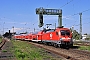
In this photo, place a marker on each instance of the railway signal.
(40, 20)
(42, 11)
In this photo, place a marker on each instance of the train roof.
(61, 28)
(48, 30)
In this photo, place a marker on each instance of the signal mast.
(42, 11)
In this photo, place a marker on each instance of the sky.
(21, 14)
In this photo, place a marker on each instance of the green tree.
(75, 34)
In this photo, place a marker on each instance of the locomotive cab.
(64, 36)
(57, 37)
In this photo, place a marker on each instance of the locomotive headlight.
(60, 38)
(69, 38)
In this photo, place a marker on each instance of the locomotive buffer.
(42, 11)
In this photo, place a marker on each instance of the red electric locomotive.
(57, 37)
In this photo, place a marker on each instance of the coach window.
(56, 33)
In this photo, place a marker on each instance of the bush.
(87, 38)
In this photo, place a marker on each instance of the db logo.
(50, 36)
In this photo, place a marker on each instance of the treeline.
(8, 35)
(77, 35)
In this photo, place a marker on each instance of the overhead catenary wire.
(83, 24)
(78, 13)
(49, 3)
(75, 13)
(78, 24)
(62, 5)
(66, 3)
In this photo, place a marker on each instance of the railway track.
(2, 43)
(5, 53)
(84, 53)
(71, 54)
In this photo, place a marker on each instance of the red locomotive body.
(58, 37)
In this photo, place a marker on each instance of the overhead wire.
(79, 24)
(82, 12)
(48, 3)
(73, 6)
(78, 13)
(83, 24)
(66, 3)
(62, 5)
(74, 13)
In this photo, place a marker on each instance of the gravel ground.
(5, 53)
(77, 54)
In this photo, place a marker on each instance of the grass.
(0, 39)
(4, 50)
(25, 51)
(85, 48)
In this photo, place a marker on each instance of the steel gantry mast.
(42, 11)
(80, 25)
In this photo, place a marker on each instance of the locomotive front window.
(56, 33)
(65, 32)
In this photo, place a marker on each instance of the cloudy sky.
(21, 14)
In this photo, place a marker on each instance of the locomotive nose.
(66, 39)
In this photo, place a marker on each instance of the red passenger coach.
(22, 36)
(37, 36)
(28, 37)
(16, 36)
